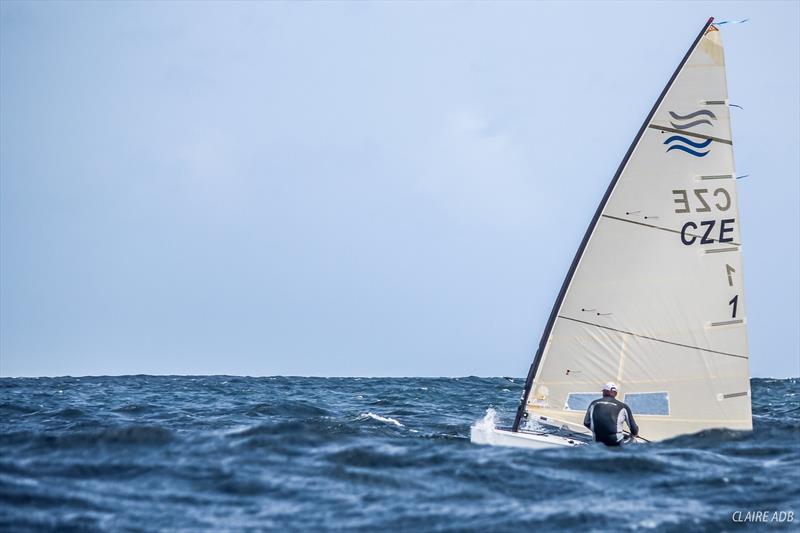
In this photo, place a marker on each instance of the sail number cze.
(705, 201)
(701, 202)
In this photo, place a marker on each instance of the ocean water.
(222, 453)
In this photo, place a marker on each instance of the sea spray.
(482, 431)
(488, 422)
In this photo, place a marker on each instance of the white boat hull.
(500, 437)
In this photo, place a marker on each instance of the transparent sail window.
(648, 403)
(579, 401)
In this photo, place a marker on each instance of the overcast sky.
(349, 188)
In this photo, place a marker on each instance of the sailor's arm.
(631, 422)
(587, 420)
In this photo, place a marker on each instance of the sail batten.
(689, 133)
(653, 298)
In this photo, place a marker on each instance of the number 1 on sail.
(733, 302)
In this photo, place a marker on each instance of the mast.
(579, 254)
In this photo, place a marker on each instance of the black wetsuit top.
(605, 418)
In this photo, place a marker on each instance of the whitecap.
(379, 418)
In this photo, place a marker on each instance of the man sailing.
(606, 416)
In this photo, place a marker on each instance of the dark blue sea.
(223, 453)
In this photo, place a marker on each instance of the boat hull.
(520, 439)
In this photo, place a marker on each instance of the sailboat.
(653, 299)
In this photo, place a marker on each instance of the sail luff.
(591, 228)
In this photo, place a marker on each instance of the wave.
(702, 112)
(379, 418)
(691, 124)
(299, 409)
(683, 139)
(687, 150)
(144, 435)
(69, 412)
(690, 116)
(134, 408)
(17, 408)
(296, 454)
(695, 144)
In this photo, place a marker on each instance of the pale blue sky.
(349, 188)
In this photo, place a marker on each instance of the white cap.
(610, 386)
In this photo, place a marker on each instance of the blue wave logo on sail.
(684, 122)
(693, 119)
(689, 146)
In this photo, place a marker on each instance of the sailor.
(606, 416)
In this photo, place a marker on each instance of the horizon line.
(297, 376)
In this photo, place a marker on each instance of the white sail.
(654, 299)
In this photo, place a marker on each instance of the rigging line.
(663, 229)
(690, 133)
(653, 338)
